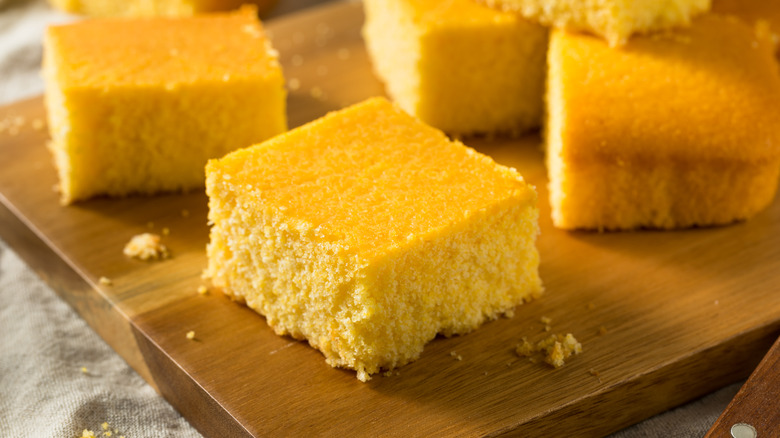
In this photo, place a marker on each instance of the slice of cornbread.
(615, 20)
(458, 66)
(762, 13)
(673, 130)
(140, 105)
(367, 233)
(149, 8)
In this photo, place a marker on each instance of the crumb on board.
(602, 330)
(456, 355)
(105, 281)
(191, 335)
(555, 349)
(146, 246)
(203, 290)
(166, 231)
(316, 92)
(595, 374)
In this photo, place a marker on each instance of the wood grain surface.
(664, 317)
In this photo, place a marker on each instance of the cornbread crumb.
(87, 434)
(602, 330)
(456, 355)
(166, 231)
(104, 425)
(595, 374)
(84, 370)
(545, 320)
(316, 92)
(105, 281)
(294, 84)
(37, 124)
(203, 290)
(191, 335)
(555, 348)
(525, 348)
(146, 246)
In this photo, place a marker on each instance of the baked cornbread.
(367, 232)
(140, 105)
(458, 66)
(754, 12)
(149, 8)
(614, 20)
(673, 130)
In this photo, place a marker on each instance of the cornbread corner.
(147, 8)
(381, 235)
(674, 130)
(614, 20)
(140, 105)
(458, 66)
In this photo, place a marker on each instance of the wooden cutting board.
(664, 317)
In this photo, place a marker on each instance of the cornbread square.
(150, 8)
(140, 105)
(674, 130)
(614, 20)
(458, 66)
(367, 232)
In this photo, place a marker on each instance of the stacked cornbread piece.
(140, 105)
(368, 233)
(614, 20)
(675, 126)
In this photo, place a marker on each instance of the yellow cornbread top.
(161, 51)
(370, 177)
(453, 13)
(717, 72)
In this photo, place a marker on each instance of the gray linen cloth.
(44, 344)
